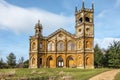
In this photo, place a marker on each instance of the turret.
(93, 6)
(38, 29)
(83, 5)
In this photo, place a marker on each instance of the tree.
(98, 56)
(1, 63)
(114, 54)
(105, 59)
(20, 62)
(11, 60)
(26, 64)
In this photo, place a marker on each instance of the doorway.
(70, 62)
(60, 62)
(50, 62)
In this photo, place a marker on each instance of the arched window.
(87, 29)
(71, 45)
(51, 46)
(88, 61)
(60, 46)
(33, 61)
(41, 45)
(87, 19)
(60, 35)
(80, 44)
(80, 20)
(79, 61)
(33, 46)
(79, 30)
(87, 44)
(40, 61)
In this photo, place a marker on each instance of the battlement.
(84, 9)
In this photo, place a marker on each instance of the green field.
(117, 77)
(47, 73)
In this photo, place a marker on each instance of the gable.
(60, 33)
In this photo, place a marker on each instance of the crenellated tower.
(84, 21)
(85, 32)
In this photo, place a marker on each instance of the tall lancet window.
(60, 46)
(71, 45)
(41, 45)
(51, 46)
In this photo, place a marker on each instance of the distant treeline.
(109, 58)
(11, 62)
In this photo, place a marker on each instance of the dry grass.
(117, 77)
(49, 74)
(6, 74)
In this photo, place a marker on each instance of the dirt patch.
(109, 75)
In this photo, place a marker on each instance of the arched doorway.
(60, 62)
(50, 62)
(70, 62)
(40, 62)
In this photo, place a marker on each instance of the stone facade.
(63, 49)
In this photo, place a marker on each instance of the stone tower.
(36, 46)
(85, 32)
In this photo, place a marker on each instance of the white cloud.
(103, 13)
(105, 42)
(20, 19)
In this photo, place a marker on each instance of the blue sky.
(18, 18)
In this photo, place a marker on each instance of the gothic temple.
(61, 49)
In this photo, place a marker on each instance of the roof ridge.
(60, 29)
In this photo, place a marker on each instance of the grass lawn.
(46, 73)
(117, 77)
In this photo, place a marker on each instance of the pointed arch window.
(33, 45)
(41, 45)
(88, 62)
(87, 44)
(40, 61)
(71, 45)
(60, 46)
(33, 61)
(87, 19)
(51, 46)
(80, 20)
